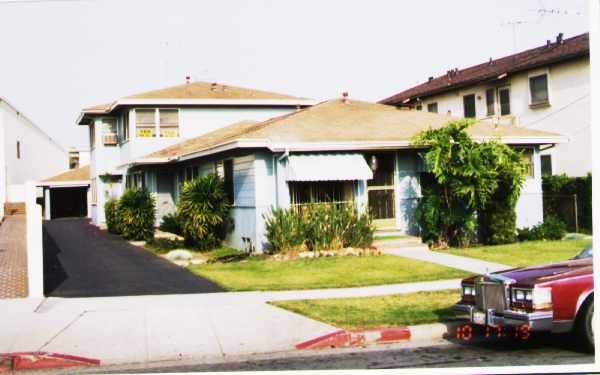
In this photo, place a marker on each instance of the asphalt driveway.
(82, 261)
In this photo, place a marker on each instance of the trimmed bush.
(318, 227)
(136, 212)
(551, 229)
(203, 211)
(171, 223)
(111, 213)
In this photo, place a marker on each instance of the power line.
(14, 2)
(555, 112)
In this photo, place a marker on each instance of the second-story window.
(432, 107)
(169, 123)
(73, 159)
(504, 95)
(109, 131)
(538, 88)
(469, 106)
(145, 123)
(490, 101)
(125, 125)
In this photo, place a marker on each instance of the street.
(540, 350)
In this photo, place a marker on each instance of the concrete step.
(399, 243)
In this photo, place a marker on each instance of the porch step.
(14, 208)
(400, 243)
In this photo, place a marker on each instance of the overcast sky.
(61, 56)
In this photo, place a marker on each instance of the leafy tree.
(467, 177)
(203, 212)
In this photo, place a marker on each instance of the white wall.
(568, 113)
(40, 156)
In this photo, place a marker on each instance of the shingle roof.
(339, 121)
(571, 48)
(199, 90)
(78, 174)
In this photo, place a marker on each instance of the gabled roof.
(550, 53)
(200, 93)
(339, 125)
(78, 175)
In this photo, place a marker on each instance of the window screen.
(539, 89)
(504, 95)
(169, 122)
(145, 123)
(490, 101)
(469, 105)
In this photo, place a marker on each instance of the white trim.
(62, 184)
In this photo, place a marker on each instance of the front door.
(381, 189)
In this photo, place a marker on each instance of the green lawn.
(372, 312)
(524, 253)
(335, 272)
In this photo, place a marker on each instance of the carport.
(67, 194)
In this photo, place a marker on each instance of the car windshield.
(586, 253)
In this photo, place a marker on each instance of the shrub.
(136, 212)
(498, 226)
(558, 191)
(203, 210)
(551, 229)
(318, 227)
(111, 213)
(171, 223)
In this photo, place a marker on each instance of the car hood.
(549, 272)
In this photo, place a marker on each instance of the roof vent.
(429, 79)
(559, 38)
(187, 79)
(345, 97)
(213, 86)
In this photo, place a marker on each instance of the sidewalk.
(119, 330)
(13, 257)
(454, 261)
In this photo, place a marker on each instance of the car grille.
(490, 295)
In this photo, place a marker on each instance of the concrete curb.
(20, 361)
(362, 338)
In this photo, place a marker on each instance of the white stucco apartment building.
(128, 128)
(544, 88)
(26, 154)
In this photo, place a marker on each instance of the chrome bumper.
(537, 321)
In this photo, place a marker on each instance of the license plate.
(479, 317)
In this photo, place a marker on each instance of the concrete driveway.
(82, 261)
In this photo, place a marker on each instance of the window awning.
(328, 167)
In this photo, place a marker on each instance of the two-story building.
(130, 127)
(27, 153)
(544, 88)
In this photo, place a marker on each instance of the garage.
(66, 195)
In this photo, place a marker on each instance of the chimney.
(213, 86)
(559, 38)
(429, 79)
(548, 42)
(345, 97)
(490, 62)
(187, 79)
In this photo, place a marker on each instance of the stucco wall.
(568, 113)
(40, 156)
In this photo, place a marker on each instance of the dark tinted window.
(504, 101)
(588, 252)
(432, 107)
(539, 89)
(469, 105)
(490, 101)
(546, 165)
(228, 179)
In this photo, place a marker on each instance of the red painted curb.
(41, 360)
(357, 338)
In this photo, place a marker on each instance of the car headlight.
(468, 290)
(538, 298)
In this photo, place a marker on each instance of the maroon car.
(557, 297)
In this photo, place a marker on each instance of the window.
(195, 172)
(538, 87)
(169, 123)
(109, 131)
(125, 126)
(419, 107)
(546, 161)
(145, 123)
(228, 179)
(490, 101)
(138, 180)
(219, 169)
(527, 157)
(73, 159)
(432, 107)
(18, 150)
(504, 95)
(304, 192)
(469, 105)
